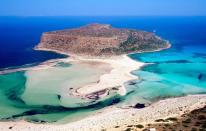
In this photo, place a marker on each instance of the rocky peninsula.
(100, 40)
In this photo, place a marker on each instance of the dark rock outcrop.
(139, 106)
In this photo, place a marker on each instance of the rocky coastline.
(100, 40)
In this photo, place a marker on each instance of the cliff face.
(100, 39)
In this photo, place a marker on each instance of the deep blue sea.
(178, 71)
(19, 35)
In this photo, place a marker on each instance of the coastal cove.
(108, 92)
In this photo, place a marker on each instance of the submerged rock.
(139, 106)
(201, 77)
(115, 101)
(59, 97)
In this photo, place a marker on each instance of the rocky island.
(92, 41)
(100, 40)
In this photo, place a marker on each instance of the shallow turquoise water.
(35, 95)
(171, 73)
(40, 95)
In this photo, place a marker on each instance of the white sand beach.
(122, 66)
(111, 116)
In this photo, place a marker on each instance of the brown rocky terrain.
(192, 121)
(100, 40)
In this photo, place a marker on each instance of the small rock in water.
(59, 97)
(139, 106)
(200, 76)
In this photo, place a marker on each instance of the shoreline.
(113, 117)
(158, 50)
(90, 57)
(122, 66)
(69, 55)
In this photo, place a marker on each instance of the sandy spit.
(122, 66)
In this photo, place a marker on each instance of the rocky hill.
(100, 40)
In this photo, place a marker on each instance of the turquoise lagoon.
(41, 95)
(171, 73)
